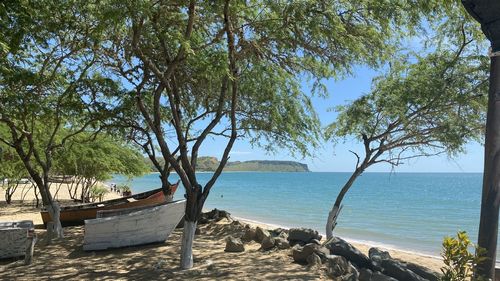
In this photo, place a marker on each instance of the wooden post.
(488, 225)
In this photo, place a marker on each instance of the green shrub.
(97, 193)
(459, 260)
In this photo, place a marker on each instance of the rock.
(378, 276)
(267, 243)
(349, 277)
(424, 272)
(237, 223)
(304, 235)
(398, 270)
(365, 274)
(281, 243)
(300, 254)
(337, 266)
(234, 245)
(260, 234)
(215, 215)
(378, 254)
(315, 241)
(249, 235)
(313, 260)
(338, 246)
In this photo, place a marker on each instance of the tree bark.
(488, 225)
(187, 244)
(334, 213)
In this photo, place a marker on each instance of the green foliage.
(124, 188)
(98, 192)
(436, 104)
(459, 261)
(99, 159)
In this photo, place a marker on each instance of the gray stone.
(315, 241)
(267, 243)
(313, 260)
(378, 276)
(281, 243)
(377, 255)
(234, 245)
(300, 254)
(260, 234)
(365, 274)
(303, 234)
(337, 266)
(338, 246)
(249, 235)
(399, 271)
(424, 272)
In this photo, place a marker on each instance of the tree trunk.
(187, 244)
(334, 213)
(55, 230)
(488, 224)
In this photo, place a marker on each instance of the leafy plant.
(97, 193)
(459, 260)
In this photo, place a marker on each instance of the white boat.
(133, 226)
(17, 239)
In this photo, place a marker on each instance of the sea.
(404, 211)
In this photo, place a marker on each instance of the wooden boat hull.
(77, 214)
(137, 226)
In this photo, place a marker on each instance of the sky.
(336, 157)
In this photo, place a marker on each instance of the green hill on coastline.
(209, 164)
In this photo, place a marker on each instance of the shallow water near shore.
(408, 211)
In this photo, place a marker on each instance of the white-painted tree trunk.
(330, 223)
(187, 244)
(54, 229)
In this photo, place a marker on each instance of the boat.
(133, 226)
(17, 239)
(77, 214)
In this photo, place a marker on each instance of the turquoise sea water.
(408, 211)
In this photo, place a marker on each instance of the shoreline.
(356, 242)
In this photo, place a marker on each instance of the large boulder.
(313, 260)
(378, 276)
(234, 245)
(260, 234)
(281, 243)
(267, 243)
(304, 235)
(249, 235)
(337, 266)
(338, 246)
(399, 271)
(365, 274)
(300, 254)
(377, 255)
(424, 272)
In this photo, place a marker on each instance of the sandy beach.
(66, 260)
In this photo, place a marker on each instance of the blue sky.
(337, 158)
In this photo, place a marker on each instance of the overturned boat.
(133, 226)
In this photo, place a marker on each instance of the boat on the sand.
(133, 226)
(77, 214)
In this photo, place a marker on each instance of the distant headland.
(209, 164)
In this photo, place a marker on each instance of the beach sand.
(66, 260)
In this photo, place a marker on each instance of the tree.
(11, 172)
(91, 162)
(232, 69)
(49, 89)
(486, 13)
(432, 106)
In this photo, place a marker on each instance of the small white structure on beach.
(17, 239)
(134, 226)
